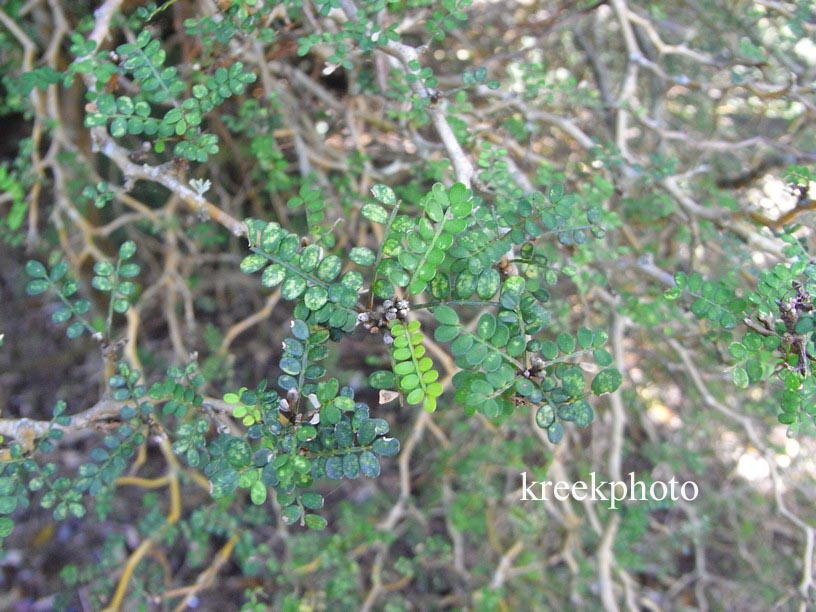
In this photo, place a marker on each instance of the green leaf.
(460, 203)
(409, 383)
(130, 270)
(299, 329)
(384, 194)
(7, 485)
(545, 416)
(293, 287)
(673, 293)
(351, 466)
(362, 256)
(740, 377)
(291, 515)
(37, 287)
(118, 127)
(367, 432)
(382, 379)
(6, 526)
(290, 365)
(386, 447)
(440, 195)
(486, 326)
(489, 408)
(737, 350)
(415, 397)
(223, 483)
(446, 333)
(310, 256)
(257, 493)
(106, 104)
(330, 414)
(273, 275)
(75, 330)
(804, 325)
(253, 263)
(753, 367)
(369, 464)
(566, 343)
(476, 355)
(549, 350)
(602, 357)
(434, 389)
(434, 210)
(35, 269)
(334, 468)
(315, 298)
(446, 315)
(238, 453)
(375, 213)
(524, 387)
(416, 286)
(488, 283)
(312, 500)
(606, 381)
(584, 338)
(555, 433)
(583, 413)
(101, 283)
(8, 504)
(462, 345)
(315, 522)
(329, 268)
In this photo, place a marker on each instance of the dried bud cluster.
(312, 416)
(376, 321)
(535, 369)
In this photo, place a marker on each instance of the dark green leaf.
(386, 447)
(223, 483)
(446, 315)
(351, 466)
(369, 464)
(37, 287)
(555, 433)
(35, 269)
(382, 380)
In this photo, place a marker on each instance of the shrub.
(415, 246)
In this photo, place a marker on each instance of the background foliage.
(293, 292)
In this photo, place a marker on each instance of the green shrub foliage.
(391, 221)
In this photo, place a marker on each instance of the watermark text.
(611, 491)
